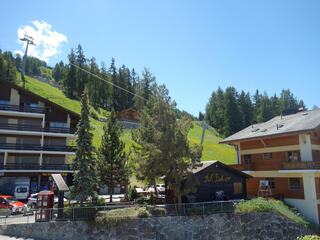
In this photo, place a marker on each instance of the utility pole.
(30, 41)
(204, 128)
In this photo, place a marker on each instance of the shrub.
(309, 237)
(157, 211)
(143, 213)
(101, 201)
(132, 194)
(141, 200)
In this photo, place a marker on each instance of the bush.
(143, 213)
(132, 194)
(309, 237)
(141, 200)
(157, 211)
(101, 201)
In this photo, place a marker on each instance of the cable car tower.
(29, 40)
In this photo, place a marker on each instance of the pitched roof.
(205, 164)
(281, 125)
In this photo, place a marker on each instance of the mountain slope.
(212, 150)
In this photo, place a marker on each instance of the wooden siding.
(270, 142)
(258, 162)
(129, 115)
(315, 137)
(281, 189)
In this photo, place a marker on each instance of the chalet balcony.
(36, 147)
(35, 166)
(17, 108)
(300, 165)
(34, 128)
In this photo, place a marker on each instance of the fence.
(89, 213)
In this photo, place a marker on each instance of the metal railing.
(17, 108)
(90, 213)
(35, 128)
(37, 147)
(35, 166)
(300, 165)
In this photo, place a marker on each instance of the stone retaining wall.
(219, 226)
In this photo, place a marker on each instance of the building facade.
(214, 181)
(285, 153)
(35, 139)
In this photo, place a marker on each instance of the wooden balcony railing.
(300, 165)
(35, 166)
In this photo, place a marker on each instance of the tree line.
(103, 93)
(229, 111)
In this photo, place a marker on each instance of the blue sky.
(191, 46)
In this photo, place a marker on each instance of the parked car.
(160, 188)
(9, 202)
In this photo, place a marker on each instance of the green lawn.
(212, 150)
(270, 205)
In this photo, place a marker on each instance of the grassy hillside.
(212, 150)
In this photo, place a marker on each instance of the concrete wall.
(219, 226)
(308, 207)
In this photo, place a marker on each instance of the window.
(4, 102)
(247, 159)
(237, 188)
(58, 125)
(271, 182)
(293, 156)
(267, 156)
(295, 184)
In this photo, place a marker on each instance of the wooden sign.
(216, 178)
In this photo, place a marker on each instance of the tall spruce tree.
(162, 146)
(70, 81)
(112, 158)
(233, 118)
(84, 165)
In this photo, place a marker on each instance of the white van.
(21, 192)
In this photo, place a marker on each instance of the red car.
(10, 202)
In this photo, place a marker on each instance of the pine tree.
(70, 80)
(215, 110)
(84, 165)
(233, 118)
(144, 89)
(114, 80)
(246, 108)
(112, 158)
(162, 144)
(82, 76)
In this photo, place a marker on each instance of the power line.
(115, 85)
